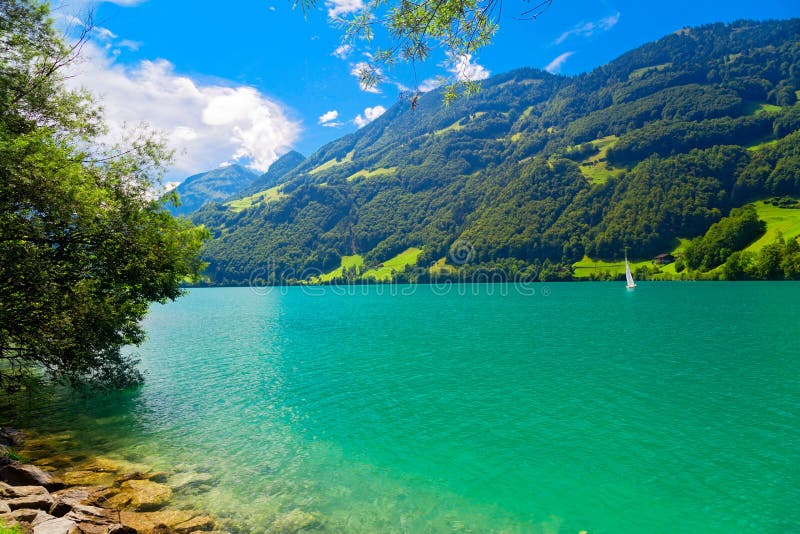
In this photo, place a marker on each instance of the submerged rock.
(202, 522)
(184, 481)
(18, 474)
(88, 478)
(141, 495)
(146, 522)
(47, 446)
(112, 465)
(156, 476)
(59, 461)
(101, 496)
(11, 436)
(293, 522)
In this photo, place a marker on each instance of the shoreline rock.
(93, 496)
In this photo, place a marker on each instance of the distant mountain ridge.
(211, 186)
(537, 171)
(231, 182)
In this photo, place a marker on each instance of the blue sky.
(247, 80)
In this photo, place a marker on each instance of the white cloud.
(104, 33)
(430, 84)
(205, 124)
(464, 69)
(606, 23)
(130, 45)
(343, 51)
(590, 28)
(356, 71)
(370, 114)
(336, 8)
(328, 116)
(555, 66)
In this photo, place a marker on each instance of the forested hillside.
(538, 172)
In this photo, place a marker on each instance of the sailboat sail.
(628, 276)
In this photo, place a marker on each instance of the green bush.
(6, 529)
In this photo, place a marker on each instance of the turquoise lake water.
(672, 408)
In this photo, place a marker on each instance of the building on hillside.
(663, 259)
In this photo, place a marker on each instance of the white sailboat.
(628, 276)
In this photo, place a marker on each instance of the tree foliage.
(732, 233)
(412, 29)
(84, 247)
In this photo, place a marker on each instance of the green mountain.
(211, 186)
(278, 173)
(537, 171)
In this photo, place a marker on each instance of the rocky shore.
(44, 491)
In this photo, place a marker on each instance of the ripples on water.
(670, 409)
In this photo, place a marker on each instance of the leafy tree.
(768, 263)
(738, 266)
(415, 28)
(84, 247)
(791, 260)
(731, 233)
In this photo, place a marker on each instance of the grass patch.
(639, 73)
(460, 123)
(754, 108)
(347, 261)
(440, 266)
(381, 171)
(599, 173)
(385, 272)
(758, 145)
(595, 168)
(602, 145)
(332, 163)
(262, 197)
(780, 221)
(587, 266)
(683, 242)
(456, 126)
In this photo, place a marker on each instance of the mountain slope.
(277, 173)
(539, 170)
(211, 186)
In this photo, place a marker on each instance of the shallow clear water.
(673, 408)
